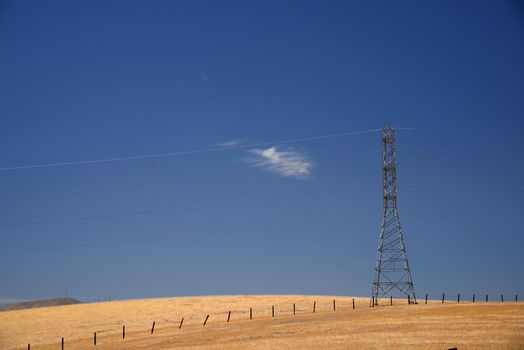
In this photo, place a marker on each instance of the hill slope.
(40, 303)
(433, 326)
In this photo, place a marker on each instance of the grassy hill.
(40, 303)
(434, 326)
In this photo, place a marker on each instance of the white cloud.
(286, 163)
(229, 143)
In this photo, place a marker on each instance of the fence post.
(272, 311)
(391, 300)
(153, 328)
(205, 321)
(228, 315)
(486, 298)
(94, 338)
(123, 332)
(502, 298)
(353, 303)
(181, 321)
(314, 306)
(516, 297)
(443, 298)
(250, 313)
(373, 301)
(294, 309)
(473, 297)
(426, 298)
(62, 343)
(458, 298)
(334, 305)
(28, 346)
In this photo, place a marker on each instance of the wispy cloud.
(204, 76)
(229, 143)
(288, 163)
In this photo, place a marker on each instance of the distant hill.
(40, 303)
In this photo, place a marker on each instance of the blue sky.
(252, 214)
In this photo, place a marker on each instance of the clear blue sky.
(95, 80)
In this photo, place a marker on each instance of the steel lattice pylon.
(392, 269)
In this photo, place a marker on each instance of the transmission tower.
(392, 269)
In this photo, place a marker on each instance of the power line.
(180, 153)
(462, 129)
(125, 188)
(267, 198)
(96, 189)
(480, 188)
(194, 204)
(465, 218)
(236, 147)
(109, 240)
(165, 204)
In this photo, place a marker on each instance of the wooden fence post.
(228, 315)
(443, 298)
(409, 300)
(373, 301)
(272, 311)
(353, 303)
(391, 300)
(153, 328)
(250, 313)
(123, 332)
(314, 306)
(473, 297)
(294, 311)
(502, 298)
(62, 343)
(205, 321)
(486, 298)
(458, 298)
(516, 297)
(181, 321)
(28, 346)
(334, 305)
(94, 338)
(426, 298)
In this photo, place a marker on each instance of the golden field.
(467, 325)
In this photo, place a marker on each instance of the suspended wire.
(236, 147)
(464, 217)
(196, 207)
(483, 188)
(125, 188)
(178, 209)
(109, 237)
(203, 204)
(162, 182)
(109, 240)
(192, 180)
(460, 129)
(196, 151)
(167, 204)
(91, 244)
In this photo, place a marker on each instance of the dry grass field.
(434, 326)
